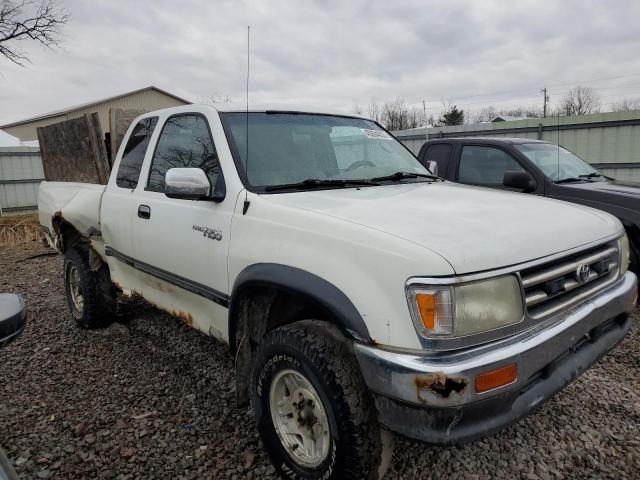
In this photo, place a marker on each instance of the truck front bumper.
(432, 396)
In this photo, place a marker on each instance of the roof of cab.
(229, 107)
(488, 140)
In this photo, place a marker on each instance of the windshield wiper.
(593, 175)
(571, 180)
(396, 177)
(311, 183)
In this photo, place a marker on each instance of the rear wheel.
(314, 413)
(90, 295)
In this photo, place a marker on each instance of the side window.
(133, 155)
(439, 153)
(485, 165)
(185, 142)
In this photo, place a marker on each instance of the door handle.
(144, 211)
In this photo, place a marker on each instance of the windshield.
(556, 163)
(287, 148)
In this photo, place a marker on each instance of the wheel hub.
(299, 418)
(75, 289)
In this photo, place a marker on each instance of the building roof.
(508, 118)
(90, 104)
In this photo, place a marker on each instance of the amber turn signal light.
(496, 378)
(427, 308)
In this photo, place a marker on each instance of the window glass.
(288, 148)
(556, 162)
(486, 165)
(185, 142)
(439, 153)
(133, 155)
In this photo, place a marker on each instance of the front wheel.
(313, 410)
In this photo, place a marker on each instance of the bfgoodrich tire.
(90, 295)
(313, 410)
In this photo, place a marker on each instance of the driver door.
(183, 242)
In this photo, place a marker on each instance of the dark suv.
(541, 168)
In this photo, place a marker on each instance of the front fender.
(295, 280)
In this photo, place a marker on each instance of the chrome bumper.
(447, 379)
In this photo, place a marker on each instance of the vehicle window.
(185, 142)
(133, 155)
(288, 148)
(485, 165)
(556, 163)
(439, 153)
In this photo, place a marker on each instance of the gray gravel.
(149, 397)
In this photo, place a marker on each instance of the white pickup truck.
(359, 294)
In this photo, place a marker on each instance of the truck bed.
(77, 203)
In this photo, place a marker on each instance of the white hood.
(473, 228)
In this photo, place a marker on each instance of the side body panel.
(178, 256)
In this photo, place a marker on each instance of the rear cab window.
(134, 152)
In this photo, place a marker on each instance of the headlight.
(459, 310)
(623, 249)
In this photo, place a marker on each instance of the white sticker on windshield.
(379, 134)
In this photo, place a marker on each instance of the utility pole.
(544, 105)
(424, 110)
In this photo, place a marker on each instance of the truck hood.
(606, 191)
(473, 228)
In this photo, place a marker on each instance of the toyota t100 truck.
(359, 293)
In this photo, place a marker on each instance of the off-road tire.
(99, 294)
(328, 364)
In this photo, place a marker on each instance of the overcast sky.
(333, 53)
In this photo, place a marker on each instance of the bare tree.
(626, 104)
(373, 110)
(357, 109)
(580, 101)
(37, 20)
(217, 99)
(395, 115)
(485, 114)
(489, 113)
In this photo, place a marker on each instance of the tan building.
(145, 99)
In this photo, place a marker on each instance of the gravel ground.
(150, 398)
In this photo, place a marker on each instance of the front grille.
(558, 285)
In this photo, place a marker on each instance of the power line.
(500, 94)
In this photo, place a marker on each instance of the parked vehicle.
(357, 291)
(12, 317)
(541, 168)
(12, 322)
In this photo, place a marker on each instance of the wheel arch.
(303, 284)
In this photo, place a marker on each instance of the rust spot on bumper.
(439, 384)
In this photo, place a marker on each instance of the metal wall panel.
(20, 175)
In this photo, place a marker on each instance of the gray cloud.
(333, 53)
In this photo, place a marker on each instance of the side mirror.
(192, 184)
(12, 317)
(520, 180)
(432, 166)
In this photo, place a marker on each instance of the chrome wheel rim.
(299, 418)
(75, 289)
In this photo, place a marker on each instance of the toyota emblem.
(582, 273)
